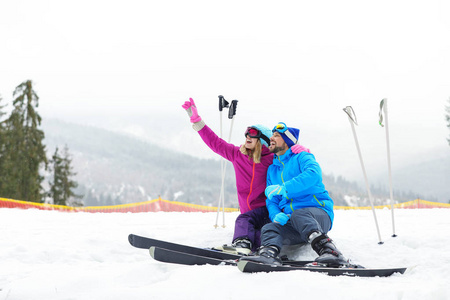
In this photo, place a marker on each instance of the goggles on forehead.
(282, 128)
(255, 133)
(252, 132)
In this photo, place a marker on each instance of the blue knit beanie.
(295, 132)
(266, 134)
(291, 138)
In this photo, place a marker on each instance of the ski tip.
(241, 265)
(130, 238)
(152, 252)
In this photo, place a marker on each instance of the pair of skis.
(186, 255)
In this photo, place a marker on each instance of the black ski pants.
(302, 223)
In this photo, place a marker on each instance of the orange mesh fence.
(147, 206)
(174, 206)
(418, 203)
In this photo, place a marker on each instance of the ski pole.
(383, 108)
(231, 114)
(222, 104)
(352, 119)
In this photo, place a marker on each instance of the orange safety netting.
(174, 206)
(147, 206)
(418, 203)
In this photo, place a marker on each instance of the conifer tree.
(447, 118)
(1, 111)
(61, 186)
(2, 146)
(1, 126)
(24, 151)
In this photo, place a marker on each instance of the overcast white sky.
(301, 62)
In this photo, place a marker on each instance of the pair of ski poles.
(352, 119)
(231, 114)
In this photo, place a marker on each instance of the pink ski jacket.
(250, 176)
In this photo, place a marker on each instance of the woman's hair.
(255, 154)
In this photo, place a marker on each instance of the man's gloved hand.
(191, 110)
(275, 190)
(296, 149)
(281, 218)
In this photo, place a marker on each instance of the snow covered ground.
(56, 255)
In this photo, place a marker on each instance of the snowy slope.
(54, 255)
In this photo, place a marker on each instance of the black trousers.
(302, 223)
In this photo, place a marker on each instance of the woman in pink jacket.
(250, 161)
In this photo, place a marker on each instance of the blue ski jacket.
(301, 175)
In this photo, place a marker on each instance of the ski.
(186, 258)
(189, 258)
(145, 243)
(254, 267)
(168, 252)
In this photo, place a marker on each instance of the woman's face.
(250, 143)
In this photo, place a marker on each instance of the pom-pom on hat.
(289, 134)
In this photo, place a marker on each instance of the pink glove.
(191, 109)
(296, 149)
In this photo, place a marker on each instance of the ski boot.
(329, 255)
(265, 255)
(240, 246)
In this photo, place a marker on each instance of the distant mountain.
(431, 177)
(114, 168)
(117, 168)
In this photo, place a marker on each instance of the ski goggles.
(282, 128)
(252, 132)
(256, 133)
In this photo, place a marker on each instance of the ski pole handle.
(232, 109)
(380, 114)
(222, 102)
(351, 114)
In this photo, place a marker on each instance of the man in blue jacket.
(299, 207)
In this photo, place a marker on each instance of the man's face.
(277, 144)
